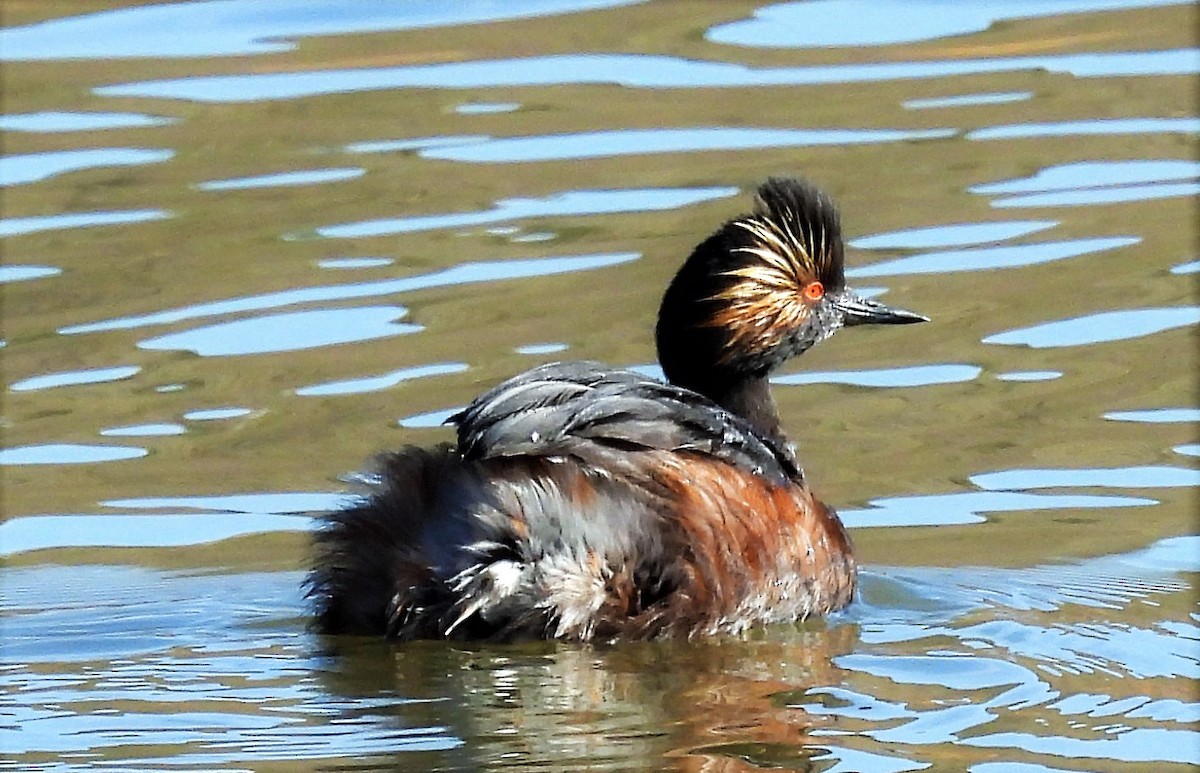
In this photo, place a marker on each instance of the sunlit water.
(245, 245)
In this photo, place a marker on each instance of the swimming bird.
(588, 503)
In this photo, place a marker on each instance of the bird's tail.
(370, 565)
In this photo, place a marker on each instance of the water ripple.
(75, 377)
(952, 235)
(1114, 477)
(968, 100)
(1094, 174)
(12, 273)
(1093, 196)
(464, 273)
(55, 121)
(15, 226)
(1157, 415)
(235, 28)
(1088, 128)
(1099, 328)
(824, 24)
(67, 453)
(272, 502)
(913, 376)
(34, 167)
(284, 179)
(216, 414)
(626, 142)
(987, 258)
(288, 331)
(633, 71)
(42, 532)
(1030, 375)
(568, 203)
(1146, 744)
(145, 430)
(971, 507)
(1097, 182)
(430, 419)
(379, 383)
(339, 264)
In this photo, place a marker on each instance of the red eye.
(815, 291)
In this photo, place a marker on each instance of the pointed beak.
(862, 311)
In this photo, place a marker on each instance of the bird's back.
(583, 502)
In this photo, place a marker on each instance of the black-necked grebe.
(584, 503)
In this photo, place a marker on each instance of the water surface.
(249, 244)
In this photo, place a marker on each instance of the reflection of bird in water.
(719, 705)
(583, 502)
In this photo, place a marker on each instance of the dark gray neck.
(750, 398)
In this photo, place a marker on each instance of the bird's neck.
(693, 351)
(747, 396)
(751, 399)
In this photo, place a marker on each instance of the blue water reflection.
(625, 142)
(354, 263)
(537, 349)
(283, 179)
(634, 71)
(968, 100)
(25, 273)
(223, 517)
(1098, 328)
(1147, 745)
(985, 258)
(913, 376)
(238, 28)
(52, 121)
(465, 273)
(33, 167)
(1029, 375)
(277, 502)
(75, 377)
(40, 532)
(952, 235)
(287, 332)
(486, 108)
(1118, 477)
(556, 205)
(415, 143)
(1097, 182)
(145, 430)
(68, 453)
(16, 226)
(1090, 128)
(430, 419)
(1093, 196)
(216, 414)
(381, 382)
(829, 23)
(1093, 174)
(971, 507)
(1157, 416)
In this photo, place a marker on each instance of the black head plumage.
(799, 223)
(765, 287)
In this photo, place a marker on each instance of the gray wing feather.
(600, 415)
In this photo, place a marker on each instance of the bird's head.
(763, 288)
